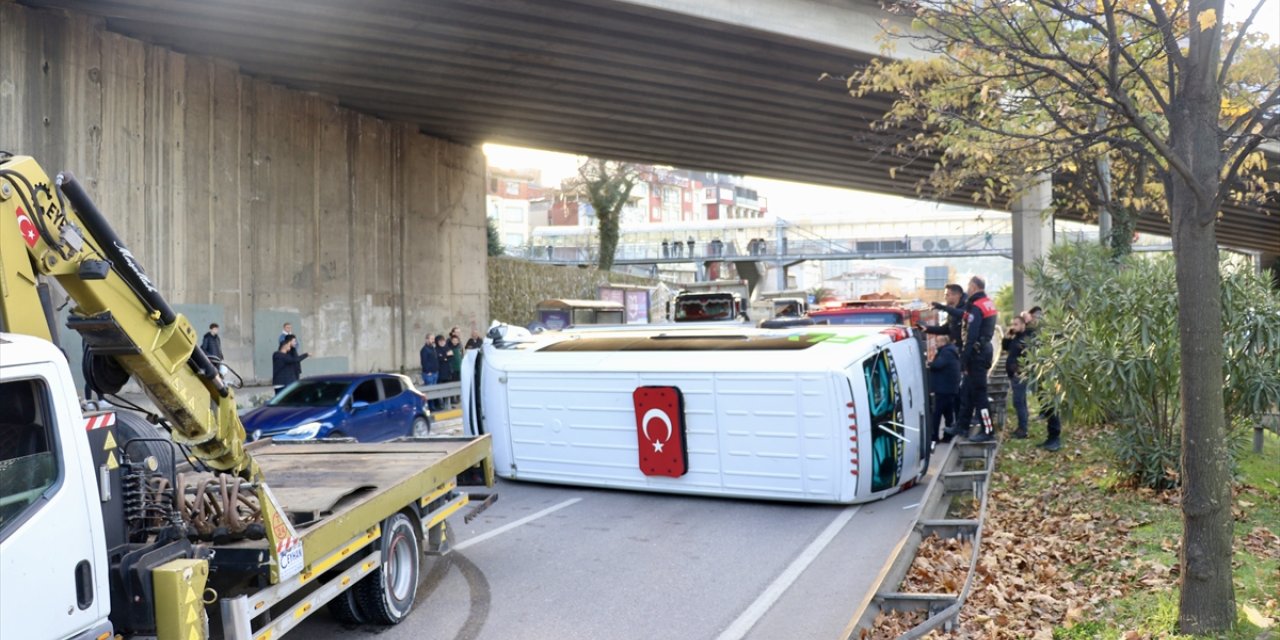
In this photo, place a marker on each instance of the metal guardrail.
(943, 609)
(444, 392)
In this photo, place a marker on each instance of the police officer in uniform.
(976, 357)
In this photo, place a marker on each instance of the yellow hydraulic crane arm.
(52, 228)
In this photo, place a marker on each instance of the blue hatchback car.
(368, 407)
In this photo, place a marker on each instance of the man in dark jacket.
(286, 364)
(211, 343)
(1015, 345)
(430, 367)
(430, 361)
(944, 381)
(954, 308)
(444, 355)
(1047, 410)
(980, 318)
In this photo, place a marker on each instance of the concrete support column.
(780, 250)
(1032, 235)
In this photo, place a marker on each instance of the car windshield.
(310, 393)
(886, 317)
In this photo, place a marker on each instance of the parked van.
(815, 414)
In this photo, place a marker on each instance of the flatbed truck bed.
(336, 495)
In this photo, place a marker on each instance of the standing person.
(455, 364)
(444, 356)
(475, 341)
(952, 308)
(286, 331)
(980, 318)
(1015, 345)
(944, 380)
(1053, 423)
(286, 364)
(429, 361)
(956, 300)
(211, 345)
(430, 367)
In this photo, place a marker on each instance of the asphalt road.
(552, 562)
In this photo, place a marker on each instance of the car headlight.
(305, 431)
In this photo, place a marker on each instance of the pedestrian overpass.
(765, 245)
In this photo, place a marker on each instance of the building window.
(513, 188)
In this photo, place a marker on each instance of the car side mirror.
(358, 405)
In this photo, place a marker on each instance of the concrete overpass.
(378, 106)
(724, 85)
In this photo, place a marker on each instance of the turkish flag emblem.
(660, 431)
(27, 228)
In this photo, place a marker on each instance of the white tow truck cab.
(830, 414)
(48, 509)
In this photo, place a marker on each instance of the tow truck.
(171, 527)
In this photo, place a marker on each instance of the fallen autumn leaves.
(1056, 552)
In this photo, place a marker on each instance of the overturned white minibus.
(818, 414)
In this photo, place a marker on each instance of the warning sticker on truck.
(288, 547)
(290, 551)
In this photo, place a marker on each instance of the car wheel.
(421, 427)
(386, 596)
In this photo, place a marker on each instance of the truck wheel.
(386, 596)
(346, 609)
(421, 427)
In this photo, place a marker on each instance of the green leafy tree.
(1107, 350)
(1004, 302)
(607, 186)
(495, 243)
(1177, 103)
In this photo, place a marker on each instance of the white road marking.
(779, 586)
(512, 525)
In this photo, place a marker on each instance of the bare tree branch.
(1229, 59)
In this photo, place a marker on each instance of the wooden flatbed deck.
(335, 491)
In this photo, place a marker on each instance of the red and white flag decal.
(27, 228)
(660, 431)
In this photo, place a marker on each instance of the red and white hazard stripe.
(99, 421)
(286, 544)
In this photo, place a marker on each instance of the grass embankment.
(1071, 553)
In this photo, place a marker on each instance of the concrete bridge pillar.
(1032, 235)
